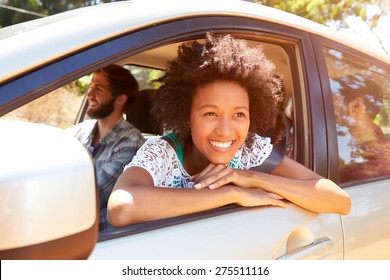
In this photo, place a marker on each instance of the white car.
(48, 206)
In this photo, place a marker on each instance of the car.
(47, 182)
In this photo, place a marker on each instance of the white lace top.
(161, 161)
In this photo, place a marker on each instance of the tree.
(11, 13)
(323, 11)
(334, 12)
(16, 11)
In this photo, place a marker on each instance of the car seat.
(140, 114)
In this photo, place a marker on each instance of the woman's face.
(219, 120)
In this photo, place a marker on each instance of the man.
(364, 149)
(111, 140)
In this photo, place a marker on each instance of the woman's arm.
(134, 199)
(305, 188)
(290, 180)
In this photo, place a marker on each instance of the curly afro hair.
(220, 58)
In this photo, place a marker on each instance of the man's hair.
(121, 81)
(354, 86)
(220, 58)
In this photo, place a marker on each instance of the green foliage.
(9, 17)
(145, 76)
(82, 84)
(324, 11)
(153, 75)
(29, 8)
(335, 12)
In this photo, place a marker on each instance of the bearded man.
(111, 140)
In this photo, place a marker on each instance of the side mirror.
(48, 197)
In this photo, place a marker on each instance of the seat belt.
(277, 154)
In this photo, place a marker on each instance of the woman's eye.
(210, 114)
(239, 115)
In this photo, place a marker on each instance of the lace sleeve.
(158, 158)
(255, 155)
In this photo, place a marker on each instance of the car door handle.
(319, 248)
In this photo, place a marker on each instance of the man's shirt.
(114, 151)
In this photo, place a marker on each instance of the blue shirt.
(114, 151)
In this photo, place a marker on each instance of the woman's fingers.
(198, 177)
(207, 172)
(279, 203)
(210, 170)
(216, 177)
(275, 196)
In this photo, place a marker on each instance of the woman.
(208, 97)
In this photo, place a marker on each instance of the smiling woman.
(220, 86)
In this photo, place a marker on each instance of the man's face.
(100, 100)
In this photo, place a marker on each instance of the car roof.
(30, 44)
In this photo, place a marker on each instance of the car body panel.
(367, 227)
(368, 222)
(256, 233)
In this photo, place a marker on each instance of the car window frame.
(309, 111)
(319, 44)
(144, 227)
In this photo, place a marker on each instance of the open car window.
(58, 108)
(148, 65)
(67, 105)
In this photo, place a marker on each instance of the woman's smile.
(221, 145)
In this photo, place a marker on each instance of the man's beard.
(103, 110)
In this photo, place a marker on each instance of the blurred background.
(366, 19)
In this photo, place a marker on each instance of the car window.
(58, 108)
(361, 98)
(144, 75)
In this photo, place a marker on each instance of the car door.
(230, 232)
(362, 170)
(234, 232)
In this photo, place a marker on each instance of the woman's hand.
(215, 176)
(257, 197)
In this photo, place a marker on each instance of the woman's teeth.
(221, 144)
